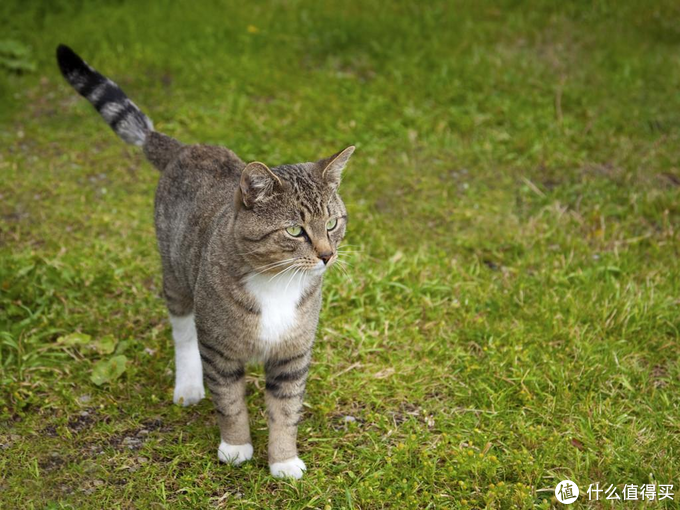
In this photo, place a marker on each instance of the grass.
(511, 315)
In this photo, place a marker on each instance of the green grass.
(511, 315)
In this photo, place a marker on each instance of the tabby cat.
(244, 249)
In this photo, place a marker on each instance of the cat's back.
(198, 182)
(204, 169)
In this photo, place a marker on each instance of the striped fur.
(119, 112)
(239, 287)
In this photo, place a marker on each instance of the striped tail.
(121, 114)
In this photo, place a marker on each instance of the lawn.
(510, 315)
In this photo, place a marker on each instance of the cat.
(244, 249)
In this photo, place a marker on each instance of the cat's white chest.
(278, 300)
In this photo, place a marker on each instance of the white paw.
(291, 468)
(188, 394)
(234, 453)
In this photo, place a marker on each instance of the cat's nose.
(325, 256)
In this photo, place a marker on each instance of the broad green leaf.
(105, 344)
(74, 339)
(122, 346)
(108, 370)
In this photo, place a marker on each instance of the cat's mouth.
(313, 265)
(320, 267)
(314, 268)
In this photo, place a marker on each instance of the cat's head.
(291, 217)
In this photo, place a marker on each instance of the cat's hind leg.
(188, 367)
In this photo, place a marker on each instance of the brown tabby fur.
(220, 225)
(209, 242)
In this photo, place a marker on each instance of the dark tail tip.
(68, 60)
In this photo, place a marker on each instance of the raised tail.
(119, 112)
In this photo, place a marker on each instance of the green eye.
(330, 224)
(295, 231)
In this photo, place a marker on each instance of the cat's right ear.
(258, 182)
(333, 166)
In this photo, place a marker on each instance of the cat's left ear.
(333, 166)
(258, 183)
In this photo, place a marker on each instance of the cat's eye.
(330, 224)
(295, 231)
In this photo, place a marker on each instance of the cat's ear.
(258, 182)
(333, 166)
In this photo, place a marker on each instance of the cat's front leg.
(284, 394)
(226, 380)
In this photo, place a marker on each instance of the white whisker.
(341, 266)
(269, 267)
(345, 273)
(275, 263)
(291, 278)
(349, 253)
(284, 271)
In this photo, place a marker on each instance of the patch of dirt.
(669, 180)
(16, 216)
(410, 411)
(491, 264)
(66, 490)
(52, 462)
(135, 439)
(659, 376)
(7, 441)
(89, 487)
(346, 414)
(130, 440)
(225, 500)
(437, 396)
(156, 424)
(550, 183)
(150, 285)
(608, 170)
(119, 481)
(84, 420)
(475, 349)
(407, 411)
(50, 430)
